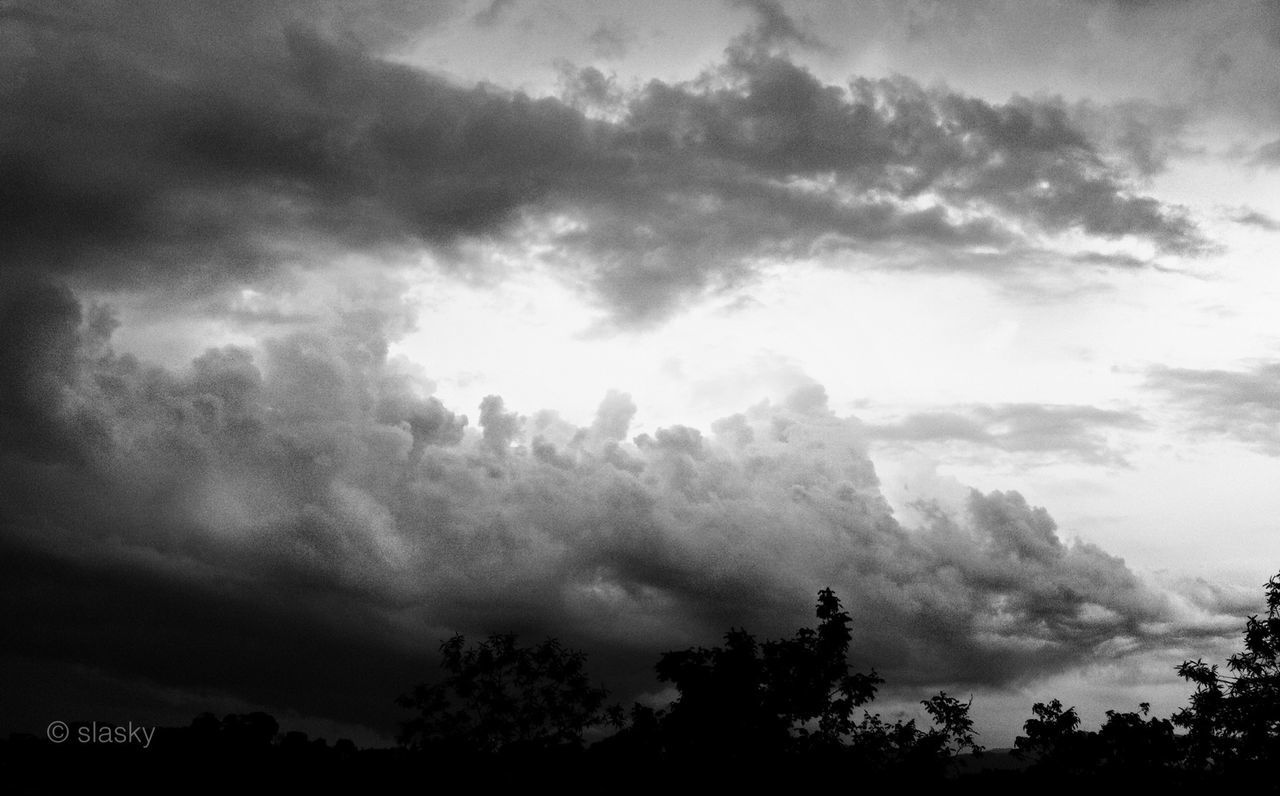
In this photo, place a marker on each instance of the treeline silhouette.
(786, 711)
(742, 706)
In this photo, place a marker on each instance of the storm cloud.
(239, 240)
(201, 149)
(299, 524)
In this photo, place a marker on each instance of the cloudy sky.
(332, 329)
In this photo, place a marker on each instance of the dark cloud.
(1272, 19)
(775, 27)
(1078, 432)
(40, 328)
(614, 416)
(1141, 5)
(1144, 134)
(194, 151)
(776, 164)
(491, 14)
(297, 526)
(1240, 404)
(611, 40)
(1253, 218)
(118, 169)
(217, 35)
(592, 91)
(1222, 599)
(1269, 154)
(1111, 260)
(500, 428)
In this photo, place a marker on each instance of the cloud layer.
(1240, 404)
(1061, 430)
(195, 151)
(298, 525)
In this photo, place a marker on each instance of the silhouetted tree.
(1135, 748)
(1138, 743)
(953, 731)
(1053, 741)
(1233, 721)
(255, 730)
(797, 696)
(809, 683)
(639, 738)
(746, 699)
(904, 749)
(723, 708)
(499, 696)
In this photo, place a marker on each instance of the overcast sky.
(332, 329)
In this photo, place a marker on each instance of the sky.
(331, 330)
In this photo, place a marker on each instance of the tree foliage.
(953, 731)
(1128, 744)
(499, 696)
(742, 700)
(1233, 720)
(797, 696)
(794, 696)
(1053, 739)
(745, 698)
(1230, 726)
(1138, 742)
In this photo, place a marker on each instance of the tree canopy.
(748, 698)
(500, 696)
(797, 697)
(1233, 720)
(791, 697)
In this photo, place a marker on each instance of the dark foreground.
(783, 714)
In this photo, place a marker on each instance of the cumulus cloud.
(297, 525)
(206, 149)
(614, 416)
(1239, 404)
(1078, 432)
(500, 427)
